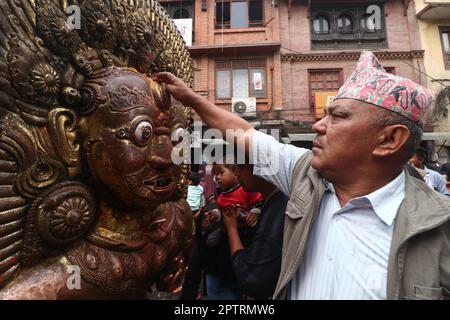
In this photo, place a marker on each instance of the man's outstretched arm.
(272, 160)
(212, 115)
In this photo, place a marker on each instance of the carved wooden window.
(181, 13)
(239, 14)
(241, 78)
(321, 80)
(321, 24)
(445, 41)
(347, 26)
(367, 23)
(179, 9)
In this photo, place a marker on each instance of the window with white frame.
(241, 78)
(445, 41)
(239, 14)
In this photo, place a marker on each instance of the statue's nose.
(163, 119)
(160, 157)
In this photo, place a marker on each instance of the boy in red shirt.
(220, 279)
(234, 195)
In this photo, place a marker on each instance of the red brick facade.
(285, 42)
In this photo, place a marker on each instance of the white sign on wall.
(257, 81)
(185, 28)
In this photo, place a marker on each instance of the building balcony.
(248, 48)
(433, 9)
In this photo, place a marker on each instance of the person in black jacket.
(210, 254)
(257, 267)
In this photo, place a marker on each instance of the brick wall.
(402, 35)
(207, 35)
(287, 84)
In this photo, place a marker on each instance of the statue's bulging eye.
(143, 132)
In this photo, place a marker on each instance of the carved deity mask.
(127, 139)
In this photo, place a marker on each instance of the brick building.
(321, 41)
(236, 53)
(288, 56)
(434, 27)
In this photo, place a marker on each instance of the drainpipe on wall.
(273, 87)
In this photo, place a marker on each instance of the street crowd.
(365, 214)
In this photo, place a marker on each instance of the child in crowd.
(220, 279)
(195, 197)
(257, 266)
(194, 275)
(211, 226)
(234, 195)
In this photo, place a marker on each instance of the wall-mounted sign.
(321, 100)
(185, 28)
(257, 81)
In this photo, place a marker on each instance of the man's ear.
(390, 140)
(62, 125)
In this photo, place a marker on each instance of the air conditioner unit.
(244, 107)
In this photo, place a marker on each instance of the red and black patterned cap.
(370, 83)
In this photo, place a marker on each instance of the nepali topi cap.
(370, 83)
